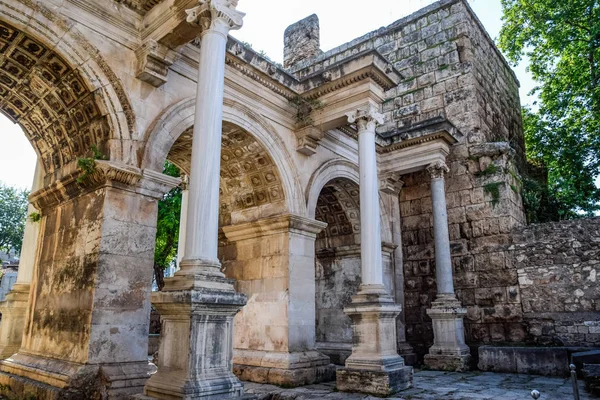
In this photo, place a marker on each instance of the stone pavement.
(435, 385)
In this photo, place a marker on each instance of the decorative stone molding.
(274, 225)
(153, 62)
(106, 173)
(437, 170)
(391, 183)
(308, 140)
(366, 118)
(220, 15)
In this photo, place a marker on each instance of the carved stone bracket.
(308, 140)
(153, 62)
(390, 183)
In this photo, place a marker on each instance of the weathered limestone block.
(87, 321)
(301, 41)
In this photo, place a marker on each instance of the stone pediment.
(139, 6)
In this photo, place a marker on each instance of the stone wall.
(557, 266)
(452, 70)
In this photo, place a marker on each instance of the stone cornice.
(427, 131)
(105, 174)
(274, 225)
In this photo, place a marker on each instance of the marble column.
(14, 307)
(449, 351)
(185, 199)
(374, 366)
(198, 304)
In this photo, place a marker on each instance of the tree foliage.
(13, 215)
(167, 228)
(562, 41)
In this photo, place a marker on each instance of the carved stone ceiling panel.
(339, 206)
(249, 177)
(40, 91)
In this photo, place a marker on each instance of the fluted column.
(374, 366)
(198, 304)
(449, 351)
(13, 308)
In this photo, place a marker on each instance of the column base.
(378, 383)
(283, 369)
(374, 366)
(13, 310)
(408, 353)
(195, 356)
(449, 351)
(457, 363)
(30, 376)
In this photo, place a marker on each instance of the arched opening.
(60, 115)
(338, 266)
(251, 191)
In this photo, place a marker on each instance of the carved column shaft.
(443, 261)
(185, 197)
(370, 215)
(449, 351)
(215, 18)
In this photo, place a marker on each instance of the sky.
(264, 24)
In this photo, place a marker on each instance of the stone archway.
(333, 197)
(58, 87)
(89, 292)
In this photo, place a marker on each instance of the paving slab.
(437, 385)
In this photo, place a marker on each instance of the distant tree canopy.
(167, 228)
(13, 215)
(562, 41)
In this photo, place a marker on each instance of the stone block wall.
(452, 70)
(557, 266)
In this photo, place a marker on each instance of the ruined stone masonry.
(358, 207)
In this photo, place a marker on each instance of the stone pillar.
(86, 330)
(198, 304)
(273, 262)
(391, 187)
(449, 351)
(185, 198)
(374, 366)
(13, 308)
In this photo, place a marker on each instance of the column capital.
(185, 182)
(366, 119)
(216, 15)
(437, 169)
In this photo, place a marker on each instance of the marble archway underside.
(249, 177)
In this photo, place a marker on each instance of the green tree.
(167, 228)
(562, 41)
(13, 214)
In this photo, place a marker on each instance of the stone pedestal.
(449, 351)
(13, 310)
(374, 366)
(195, 356)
